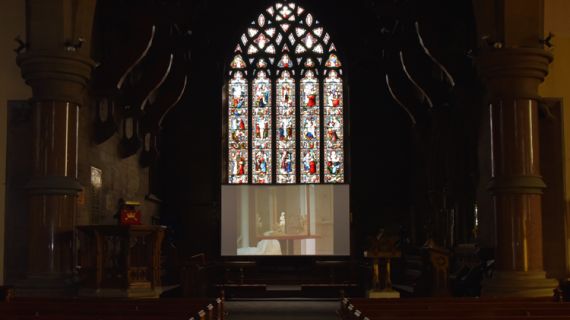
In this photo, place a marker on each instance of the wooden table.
(287, 240)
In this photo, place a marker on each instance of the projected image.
(281, 220)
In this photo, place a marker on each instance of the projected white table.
(287, 240)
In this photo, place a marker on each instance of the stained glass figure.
(297, 135)
(310, 166)
(238, 166)
(334, 166)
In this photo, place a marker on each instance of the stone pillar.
(512, 76)
(58, 80)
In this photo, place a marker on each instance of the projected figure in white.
(282, 222)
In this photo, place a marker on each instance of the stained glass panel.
(333, 61)
(251, 32)
(318, 31)
(309, 40)
(238, 131)
(285, 112)
(261, 20)
(333, 90)
(309, 20)
(270, 49)
(334, 136)
(252, 49)
(310, 132)
(326, 38)
(300, 49)
(270, 32)
(261, 64)
(318, 49)
(237, 62)
(261, 135)
(261, 40)
(285, 62)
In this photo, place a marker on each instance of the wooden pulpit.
(120, 260)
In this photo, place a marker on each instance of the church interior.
(396, 157)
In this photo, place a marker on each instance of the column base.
(45, 286)
(519, 284)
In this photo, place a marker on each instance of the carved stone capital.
(514, 73)
(56, 76)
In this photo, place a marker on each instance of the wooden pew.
(114, 309)
(453, 308)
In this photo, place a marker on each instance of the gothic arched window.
(285, 105)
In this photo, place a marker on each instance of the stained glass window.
(286, 115)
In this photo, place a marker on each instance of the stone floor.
(281, 310)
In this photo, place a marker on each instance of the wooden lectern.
(120, 260)
(382, 248)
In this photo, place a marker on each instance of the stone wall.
(121, 178)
